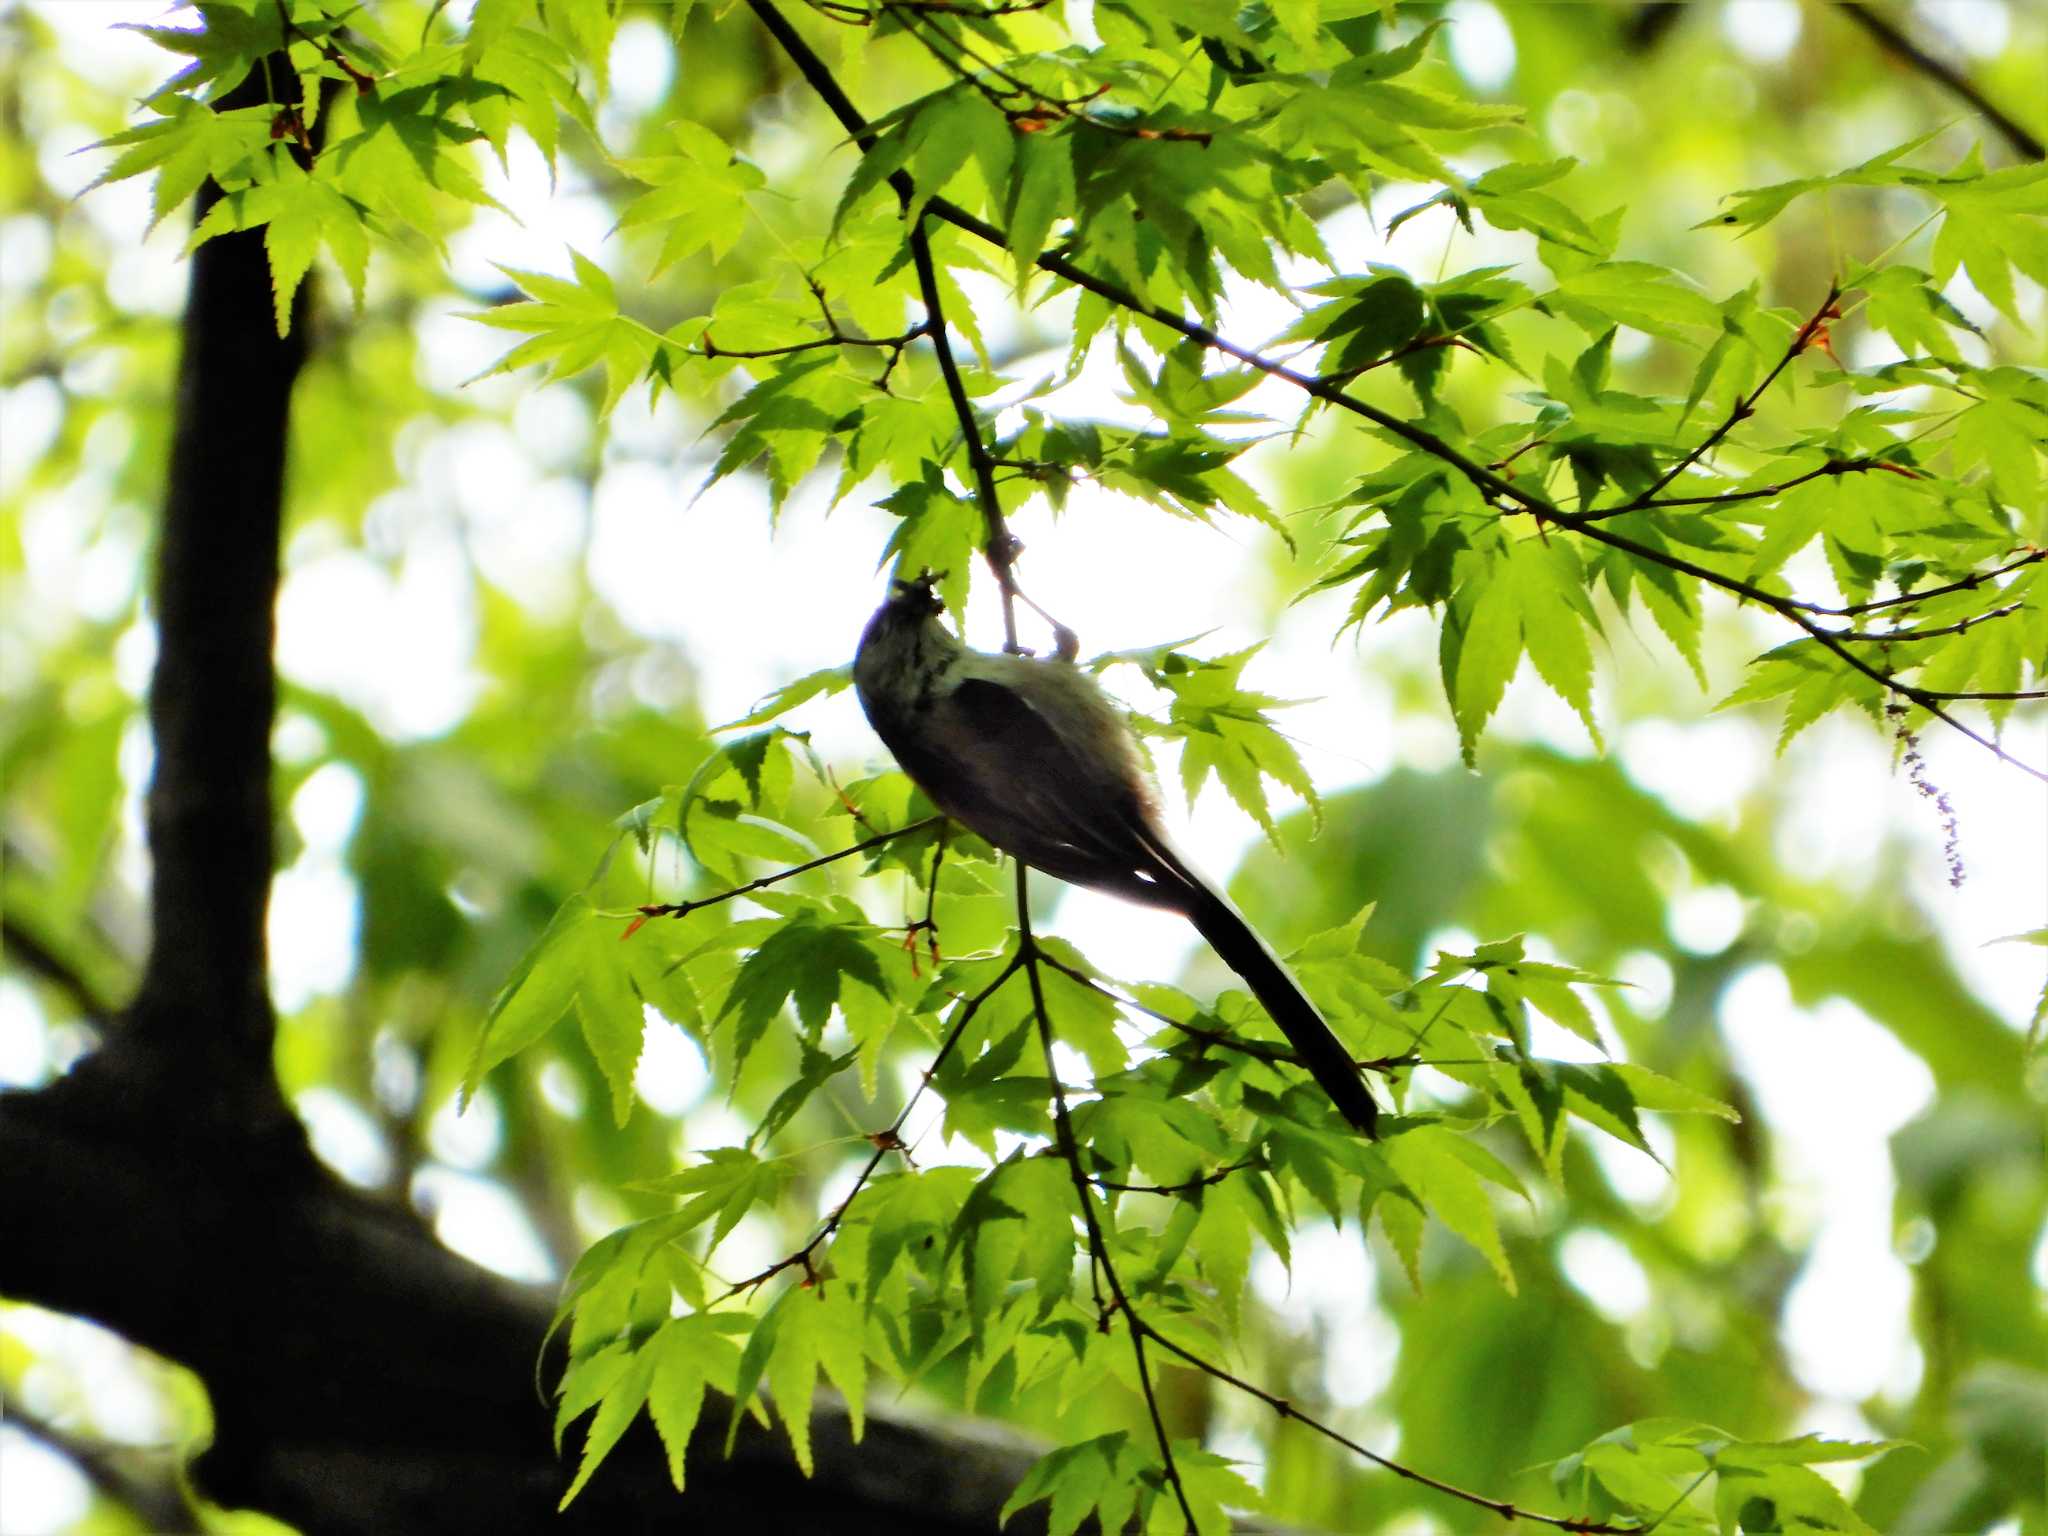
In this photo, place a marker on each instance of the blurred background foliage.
(474, 692)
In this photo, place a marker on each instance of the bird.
(1032, 755)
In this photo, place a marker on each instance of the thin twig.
(1000, 546)
(928, 925)
(1887, 637)
(1977, 695)
(685, 908)
(1420, 344)
(887, 1140)
(955, 65)
(1815, 327)
(1098, 1246)
(709, 348)
(1185, 1186)
(1725, 498)
(1039, 110)
(1968, 583)
(1286, 1410)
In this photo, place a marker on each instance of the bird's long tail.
(1280, 994)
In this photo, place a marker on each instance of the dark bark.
(363, 1378)
(213, 697)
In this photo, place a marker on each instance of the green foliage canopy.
(1537, 454)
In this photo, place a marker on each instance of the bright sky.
(694, 571)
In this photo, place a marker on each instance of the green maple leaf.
(408, 150)
(698, 195)
(576, 963)
(232, 36)
(574, 325)
(186, 146)
(1996, 221)
(299, 213)
(804, 961)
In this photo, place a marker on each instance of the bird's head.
(917, 599)
(905, 643)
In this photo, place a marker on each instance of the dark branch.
(1505, 494)
(1185, 1186)
(212, 699)
(837, 338)
(1761, 493)
(1901, 636)
(358, 1371)
(1895, 42)
(999, 544)
(1966, 584)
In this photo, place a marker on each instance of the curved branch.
(33, 955)
(885, 1141)
(1098, 1246)
(1497, 490)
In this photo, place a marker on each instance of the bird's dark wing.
(1011, 775)
(1073, 813)
(1080, 811)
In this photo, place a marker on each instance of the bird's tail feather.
(1280, 994)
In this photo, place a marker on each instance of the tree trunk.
(363, 1378)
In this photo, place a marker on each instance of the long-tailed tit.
(1032, 755)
